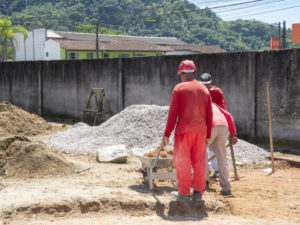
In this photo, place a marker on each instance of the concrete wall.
(60, 88)
(282, 70)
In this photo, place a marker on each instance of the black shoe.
(183, 197)
(207, 185)
(226, 193)
(197, 196)
(216, 174)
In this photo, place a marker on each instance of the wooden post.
(270, 127)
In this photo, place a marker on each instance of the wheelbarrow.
(150, 166)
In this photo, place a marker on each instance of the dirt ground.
(115, 194)
(41, 186)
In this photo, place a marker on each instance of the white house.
(32, 48)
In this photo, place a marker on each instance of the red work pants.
(190, 151)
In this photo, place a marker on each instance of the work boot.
(197, 196)
(226, 193)
(181, 197)
(216, 174)
(206, 185)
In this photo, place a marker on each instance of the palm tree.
(7, 32)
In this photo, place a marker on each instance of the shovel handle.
(236, 176)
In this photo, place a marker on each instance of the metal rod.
(79, 171)
(97, 41)
(284, 35)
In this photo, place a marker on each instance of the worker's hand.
(164, 142)
(232, 139)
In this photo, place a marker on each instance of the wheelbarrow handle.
(157, 157)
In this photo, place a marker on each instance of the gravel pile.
(137, 126)
(245, 152)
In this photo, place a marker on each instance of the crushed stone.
(246, 152)
(137, 126)
(140, 126)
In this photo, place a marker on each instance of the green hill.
(142, 17)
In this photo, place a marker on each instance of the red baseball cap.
(187, 66)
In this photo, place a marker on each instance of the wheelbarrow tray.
(149, 161)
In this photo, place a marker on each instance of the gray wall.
(60, 88)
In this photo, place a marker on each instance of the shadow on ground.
(173, 210)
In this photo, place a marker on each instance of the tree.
(7, 32)
(83, 28)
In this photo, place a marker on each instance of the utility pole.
(284, 35)
(97, 41)
(279, 33)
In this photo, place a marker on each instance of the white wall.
(53, 50)
(19, 50)
(33, 47)
(39, 39)
(29, 55)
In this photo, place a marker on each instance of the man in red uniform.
(191, 111)
(215, 92)
(218, 98)
(222, 126)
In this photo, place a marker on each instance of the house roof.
(77, 45)
(52, 34)
(109, 38)
(198, 48)
(111, 46)
(133, 46)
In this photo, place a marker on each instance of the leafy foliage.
(83, 28)
(142, 17)
(7, 33)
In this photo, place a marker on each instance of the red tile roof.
(76, 45)
(198, 48)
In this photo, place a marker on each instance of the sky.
(269, 11)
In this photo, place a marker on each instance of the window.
(124, 55)
(72, 55)
(139, 55)
(47, 54)
(89, 55)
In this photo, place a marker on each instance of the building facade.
(43, 44)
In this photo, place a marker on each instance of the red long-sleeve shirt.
(217, 120)
(217, 97)
(190, 108)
